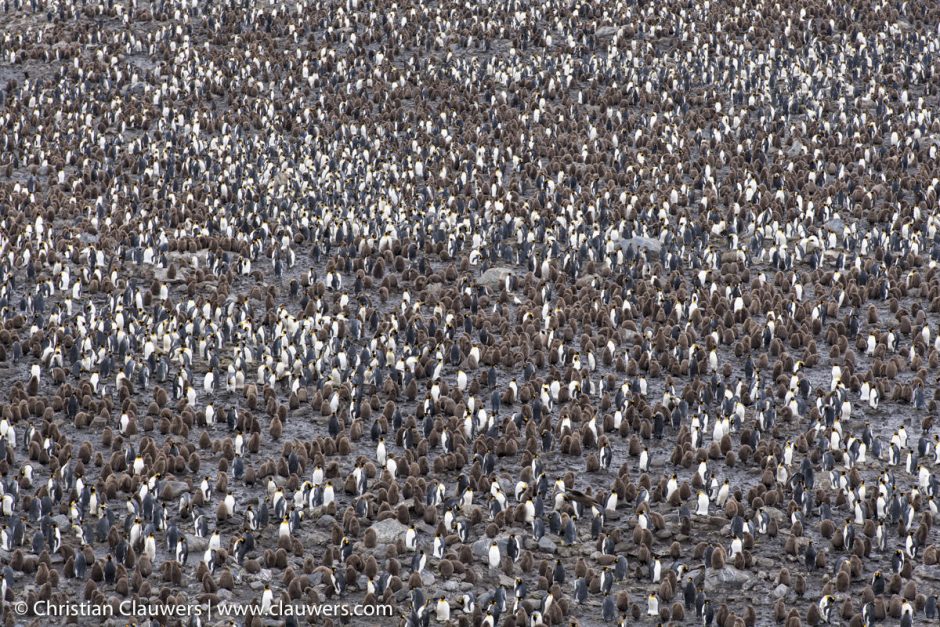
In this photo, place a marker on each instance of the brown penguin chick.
(526, 562)
(678, 612)
(813, 616)
(226, 581)
(931, 555)
(895, 607)
(750, 616)
(623, 601)
(722, 614)
(799, 585)
(718, 558)
(796, 529)
(446, 569)
(90, 590)
(675, 550)
(665, 590)
(42, 575)
(848, 609)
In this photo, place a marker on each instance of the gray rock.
(61, 521)
(402, 595)
(163, 275)
(648, 243)
(775, 513)
(586, 280)
(629, 339)
(481, 548)
(506, 581)
(197, 545)
(837, 225)
(427, 578)
(605, 31)
(727, 576)
(175, 488)
(781, 591)
(494, 278)
(664, 534)
(281, 178)
(547, 544)
(388, 531)
(451, 585)
(315, 538)
(923, 571)
(765, 562)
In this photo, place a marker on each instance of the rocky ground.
(375, 219)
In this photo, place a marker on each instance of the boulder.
(174, 489)
(494, 278)
(388, 531)
(927, 573)
(481, 547)
(647, 243)
(547, 545)
(729, 576)
(836, 225)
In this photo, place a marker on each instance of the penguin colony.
(502, 313)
